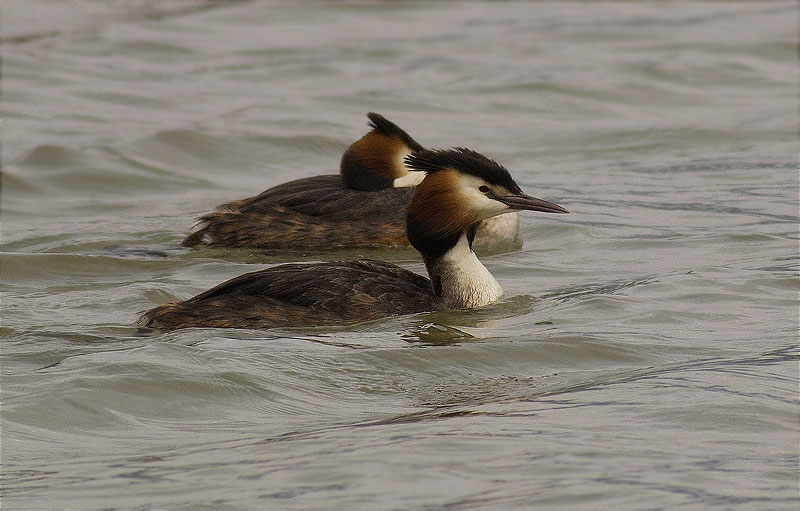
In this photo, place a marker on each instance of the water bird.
(461, 188)
(363, 206)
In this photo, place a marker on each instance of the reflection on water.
(644, 354)
(434, 334)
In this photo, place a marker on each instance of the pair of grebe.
(460, 189)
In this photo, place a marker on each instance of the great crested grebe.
(461, 188)
(363, 206)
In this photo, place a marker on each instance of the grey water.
(645, 355)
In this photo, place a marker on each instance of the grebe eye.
(483, 189)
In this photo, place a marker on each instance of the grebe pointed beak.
(523, 201)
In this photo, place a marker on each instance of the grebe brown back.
(461, 188)
(364, 206)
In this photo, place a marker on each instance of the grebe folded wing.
(301, 294)
(336, 203)
(312, 213)
(323, 184)
(277, 227)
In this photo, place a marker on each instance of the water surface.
(645, 353)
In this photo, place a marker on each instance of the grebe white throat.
(465, 281)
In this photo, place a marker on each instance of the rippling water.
(645, 355)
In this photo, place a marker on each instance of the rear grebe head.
(376, 160)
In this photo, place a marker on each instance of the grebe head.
(376, 160)
(462, 187)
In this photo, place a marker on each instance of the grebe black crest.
(461, 188)
(364, 206)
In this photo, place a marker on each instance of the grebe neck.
(459, 279)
